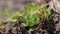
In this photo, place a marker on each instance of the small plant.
(32, 14)
(29, 18)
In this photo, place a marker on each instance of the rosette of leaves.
(32, 14)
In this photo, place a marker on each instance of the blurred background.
(17, 5)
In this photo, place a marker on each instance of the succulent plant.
(33, 13)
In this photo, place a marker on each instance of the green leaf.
(15, 16)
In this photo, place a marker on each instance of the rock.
(55, 5)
